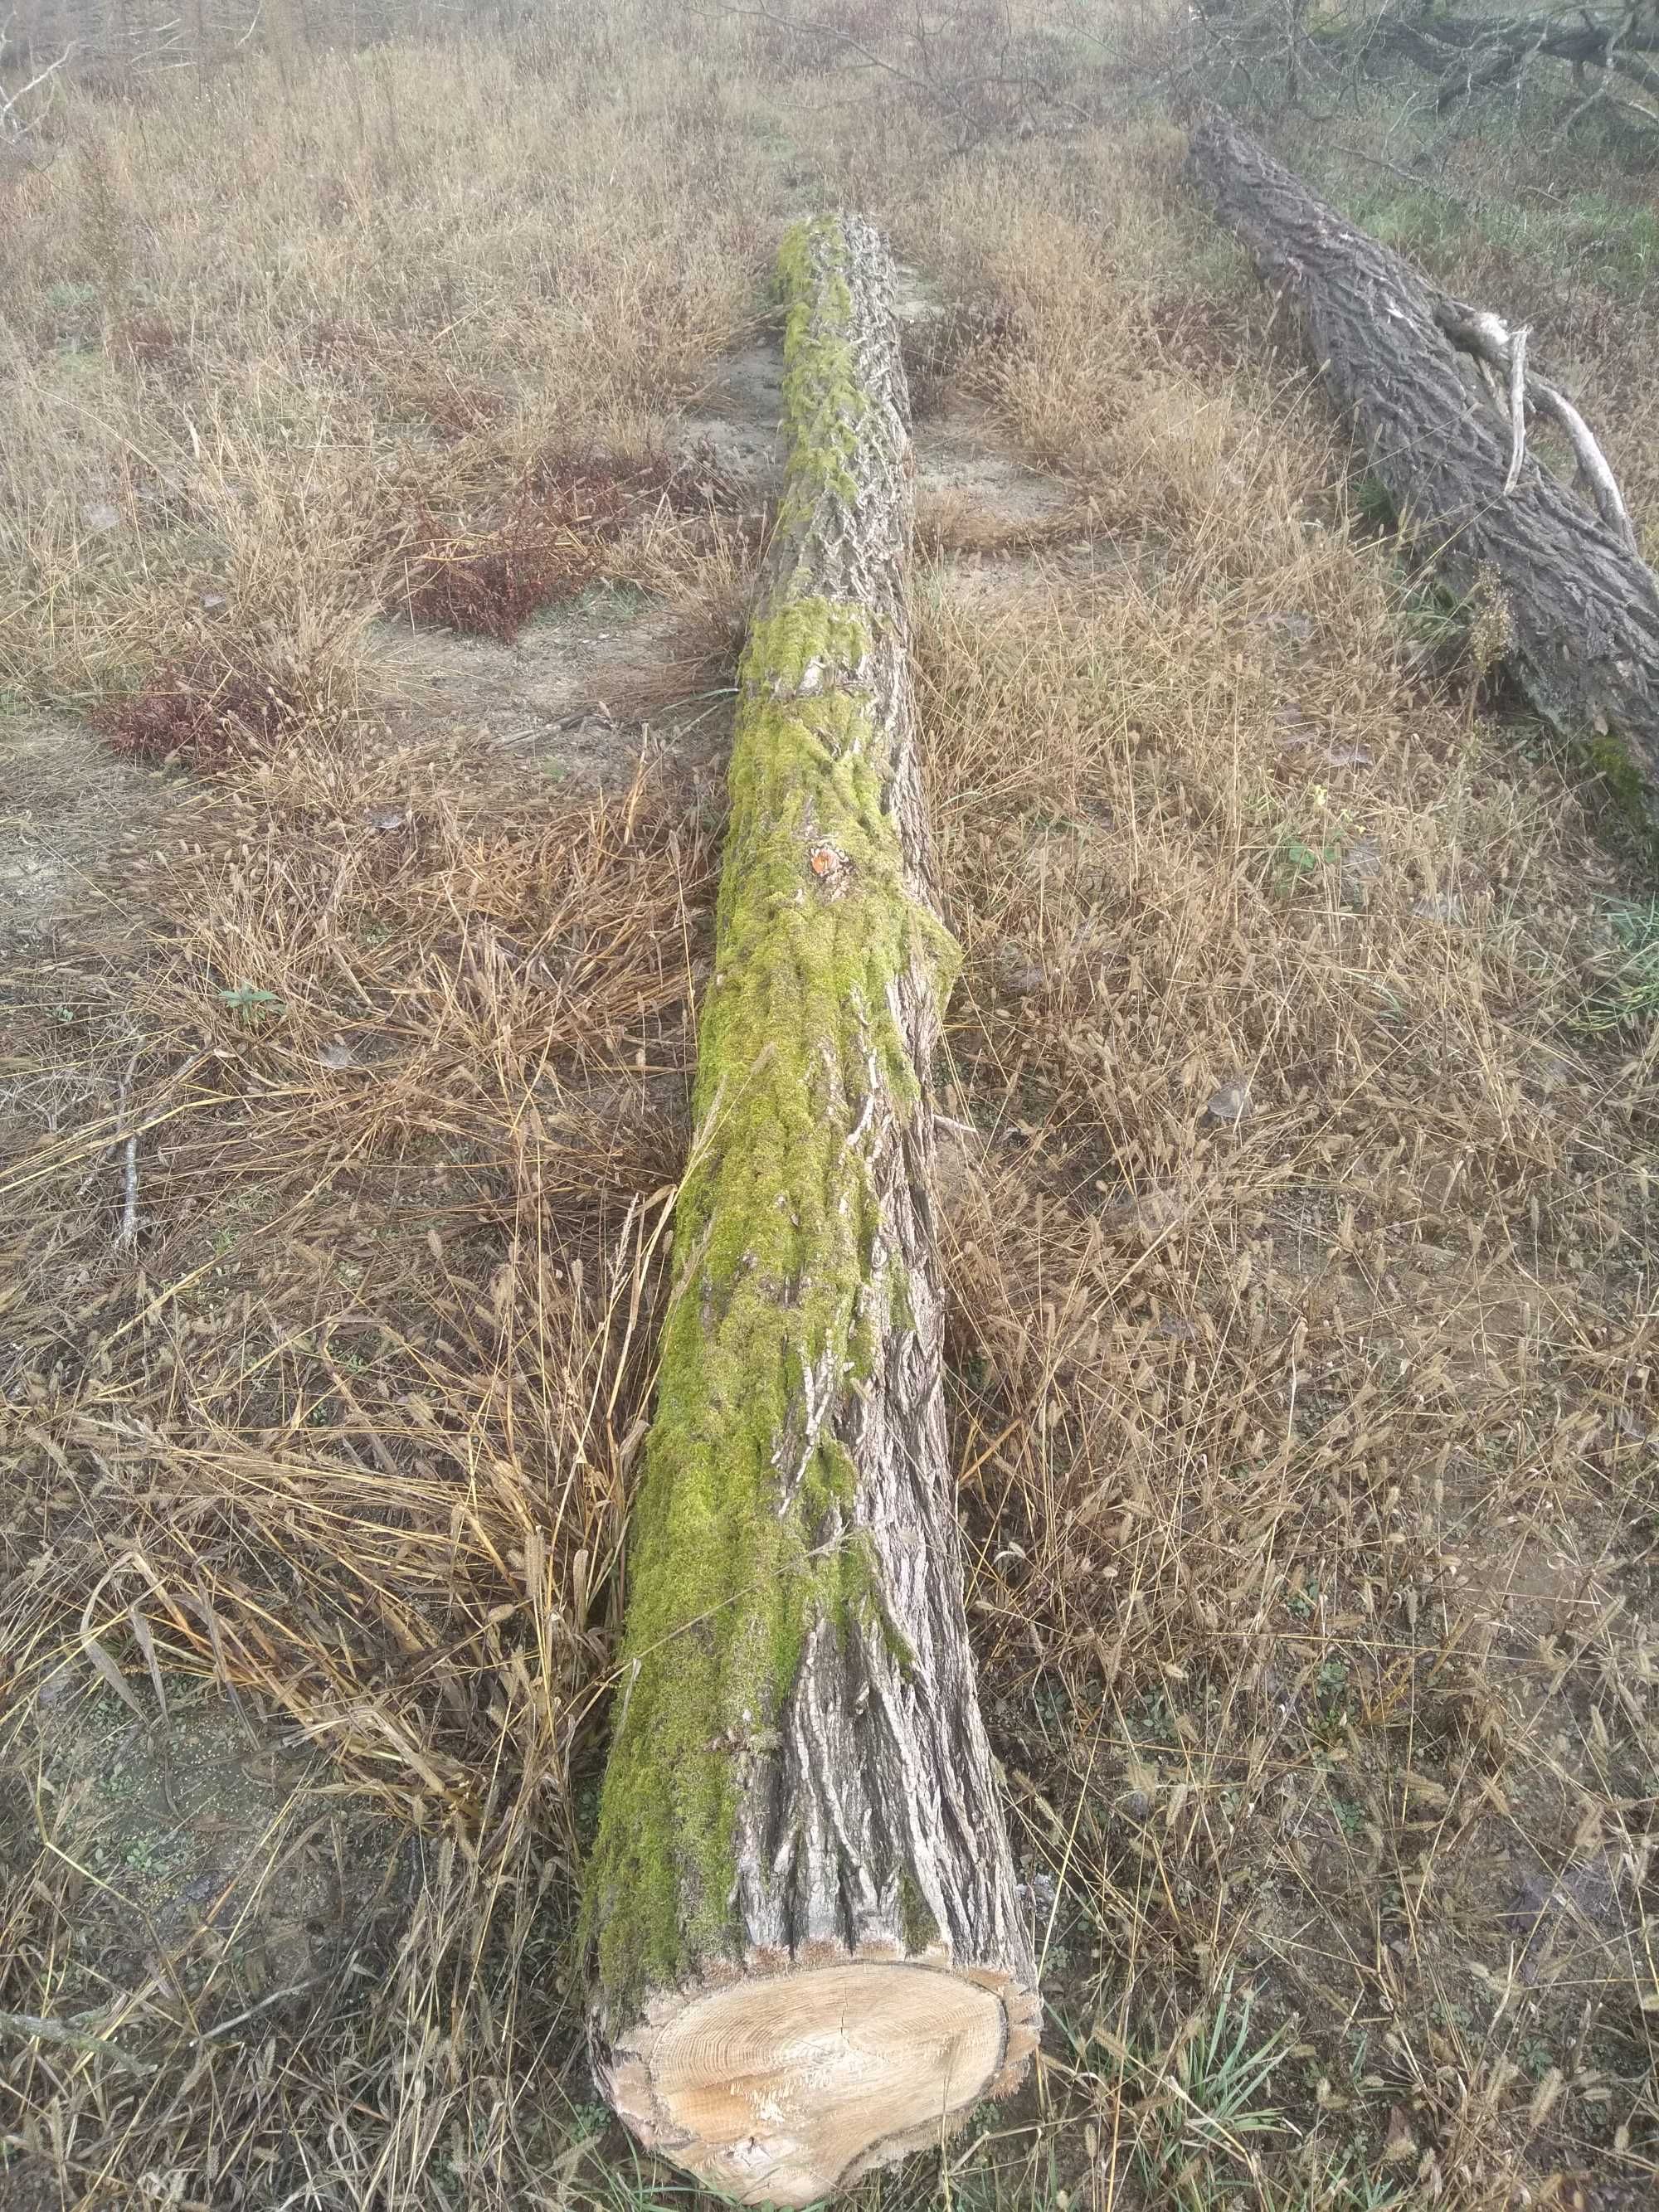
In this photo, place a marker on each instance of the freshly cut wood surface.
(798, 2081)
(810, 1953)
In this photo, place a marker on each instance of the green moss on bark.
(824, 406)
(921, 1928)
(1630, 793)
(740, 1543)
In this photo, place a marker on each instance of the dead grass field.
(384, 461)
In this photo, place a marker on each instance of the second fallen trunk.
(1401, 357)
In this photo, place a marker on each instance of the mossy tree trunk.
(1405, 362)
(809, 1953)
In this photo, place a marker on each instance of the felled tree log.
(1581, 606)
(809, 1953)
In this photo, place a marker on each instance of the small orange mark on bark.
(826, 860)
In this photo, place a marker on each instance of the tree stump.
(809, 1955)
(1402, 358)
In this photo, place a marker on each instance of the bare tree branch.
(1488, 340)
(10, 122)
(968, 99)
(1270, 41)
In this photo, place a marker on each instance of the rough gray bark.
(810, 1954)
(1583, 607)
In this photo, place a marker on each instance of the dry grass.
(580, 517)
(368, 1409)
(431, 267)
(1298, 1204)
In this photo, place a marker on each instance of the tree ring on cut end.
(781, 2090)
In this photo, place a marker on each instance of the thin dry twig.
(128, 1232)
(1517, 408)
(10, 102)
(1488, 339)
(78, 2039)
(1592, 462)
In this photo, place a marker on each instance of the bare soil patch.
(213, 1858)
(70, 809)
